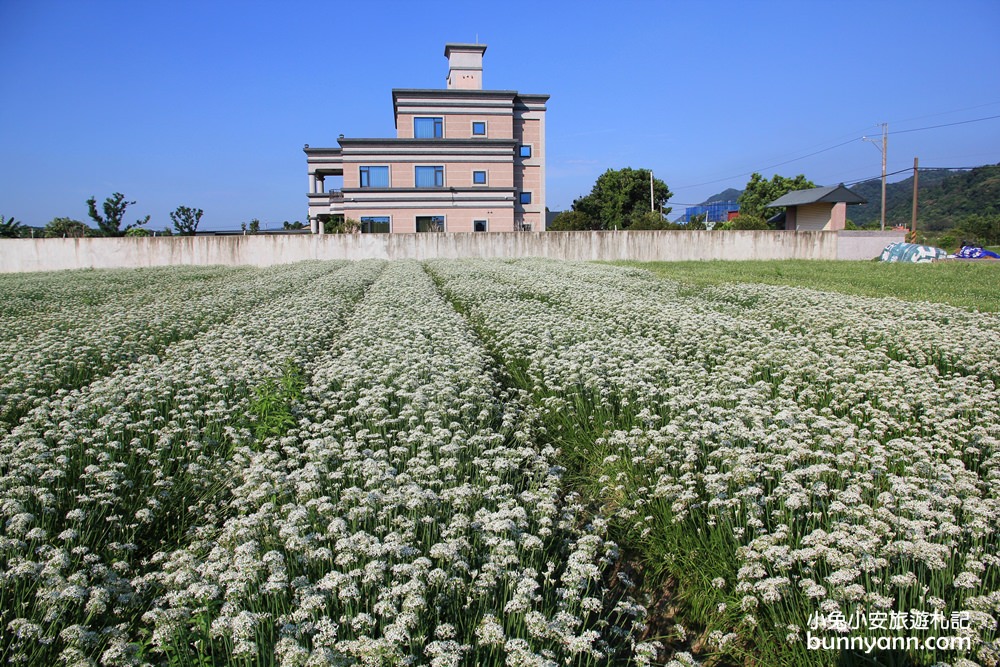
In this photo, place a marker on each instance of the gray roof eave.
(412, 142)
(831, 194)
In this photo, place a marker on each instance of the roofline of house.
(408, 142)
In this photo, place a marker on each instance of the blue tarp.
(911, 252)
(975, 252)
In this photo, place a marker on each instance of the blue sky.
(208, 104)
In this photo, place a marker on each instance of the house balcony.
(331, 202)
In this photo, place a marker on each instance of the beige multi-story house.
(464, 159)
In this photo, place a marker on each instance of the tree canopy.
(760, 192)
(114, 214)
(66, 228)
(11, 228)
(186, 220)
(621, 197)
(574, 221)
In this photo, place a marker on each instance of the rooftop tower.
(465, 66)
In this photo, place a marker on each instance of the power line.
(909, 170)
(877, 177)
(934, 127)
(945, 113)
(850, 141)
(779, 164)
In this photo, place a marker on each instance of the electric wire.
(850, 141)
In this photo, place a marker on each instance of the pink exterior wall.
(459, 125)
(456, 219)
(456, 174)
(838, 217)
(529, 174)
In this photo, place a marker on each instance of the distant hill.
(944, 197)
(731, 194)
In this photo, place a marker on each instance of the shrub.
(746, 222)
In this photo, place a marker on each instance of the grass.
(974, 286)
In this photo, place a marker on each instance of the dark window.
(428, 177)
(479, 178)
(479, 225)
(479, 128)
(374, 177)
(428, 128)
(430, 223)
(378, 224)
(525, 150)
(525, 197)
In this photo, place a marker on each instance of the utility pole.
(913, 219)
(883, 148)
(651, 206)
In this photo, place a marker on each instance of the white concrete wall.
(853, 245)
(20, 255)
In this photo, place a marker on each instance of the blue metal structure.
(717, 211)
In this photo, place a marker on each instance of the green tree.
(983, 228)
(651, 220)
(760, 192)
(138, 231)
(619, 195)
(66, 228)
(747, 222)
(11, 228)
(114, 214)
(186, 220)
(338, 224)
(573, 221)
(254, 226)
(696, 222)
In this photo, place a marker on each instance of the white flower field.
(488, 463)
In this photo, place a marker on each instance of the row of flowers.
(395, 463)
(97, 480)
(69, 334)
(781, 451)
(409, 518)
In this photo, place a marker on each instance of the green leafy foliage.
(114, 208)
(11, 228)
(745, 222)
(944, 198)
(186, 220)
(271, 405)
(619, 195)
(760, 192)
(650, 220)
(338, 224)
(66, 228)
(984, 229)
(697, 222)
(573, 221)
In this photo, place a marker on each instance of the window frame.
(520, 151)
(416, 223)
(486, 226)
(365, 171)
(437, 127)
(486, 177)
(524, 198)
(485, 131)
(438, 171)
(370, 219)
